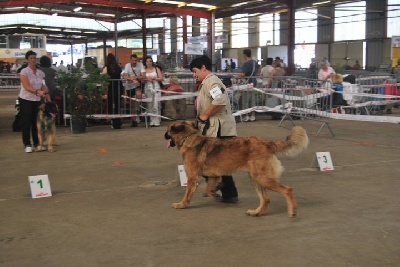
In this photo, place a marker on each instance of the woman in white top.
(32, 90)
(153, 76)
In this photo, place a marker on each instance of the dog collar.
(185, 138)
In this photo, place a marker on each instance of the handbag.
(162, 86)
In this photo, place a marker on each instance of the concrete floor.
(106, 209)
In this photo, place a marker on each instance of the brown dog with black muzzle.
(214, 157)
(46, 125)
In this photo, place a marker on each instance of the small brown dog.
(214, 157)
(336, 78)
(46, 125)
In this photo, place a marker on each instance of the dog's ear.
(42, 107)
(177, 129)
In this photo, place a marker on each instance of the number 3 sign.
(324, 161)
(40, 186)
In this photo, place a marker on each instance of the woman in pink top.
(175, 108)
(32, 90)
(325, 71)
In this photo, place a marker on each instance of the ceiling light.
(167, 2)
(12, 8)
(201, 5)
(76, 9)
(51, 29)
(239, 4)
(321, 3)
(105, 15)
(71, 30)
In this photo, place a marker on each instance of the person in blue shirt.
(249, 69)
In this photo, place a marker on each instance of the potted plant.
(83, 91)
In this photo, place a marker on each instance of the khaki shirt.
(223, 119)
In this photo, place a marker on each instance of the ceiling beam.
(13, 3)
(110, 3)
(152, 7)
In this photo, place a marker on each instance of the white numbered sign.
(40, 186)
(324, 161)
(182, 175)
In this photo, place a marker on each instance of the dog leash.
(206, 124)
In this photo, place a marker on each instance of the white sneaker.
(252, 118)
(28, 149)
(246, 118)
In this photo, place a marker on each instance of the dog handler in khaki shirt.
(214, 115)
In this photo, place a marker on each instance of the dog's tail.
(294, 144)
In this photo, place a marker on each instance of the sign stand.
(40, 186)
(182, 175)
(323, 160)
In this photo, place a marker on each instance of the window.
(219, 26)
(303, 55)
(167, 36)
(269, 29)
(350, 21)
(179, 34)
(393, 21)
(240, 31)
(203, 26)
(306, 26)
(3, 41)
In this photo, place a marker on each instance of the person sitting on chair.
(175, 108)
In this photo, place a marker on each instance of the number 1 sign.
(40, 186)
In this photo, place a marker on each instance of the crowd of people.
(137, 80)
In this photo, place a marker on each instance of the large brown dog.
(215, 157)
(46, 124)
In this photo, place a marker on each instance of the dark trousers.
(227, 186)
(114, 102)
(29, 111)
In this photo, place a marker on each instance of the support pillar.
(115, 39)
(144, 33)
(290, 43)
(185, 39)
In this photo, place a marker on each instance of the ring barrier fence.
(126, 107)
(9, 82)
(286, 98)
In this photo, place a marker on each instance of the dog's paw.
(179, 205)
(253, 213)
(214, 196)
(292, 212)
